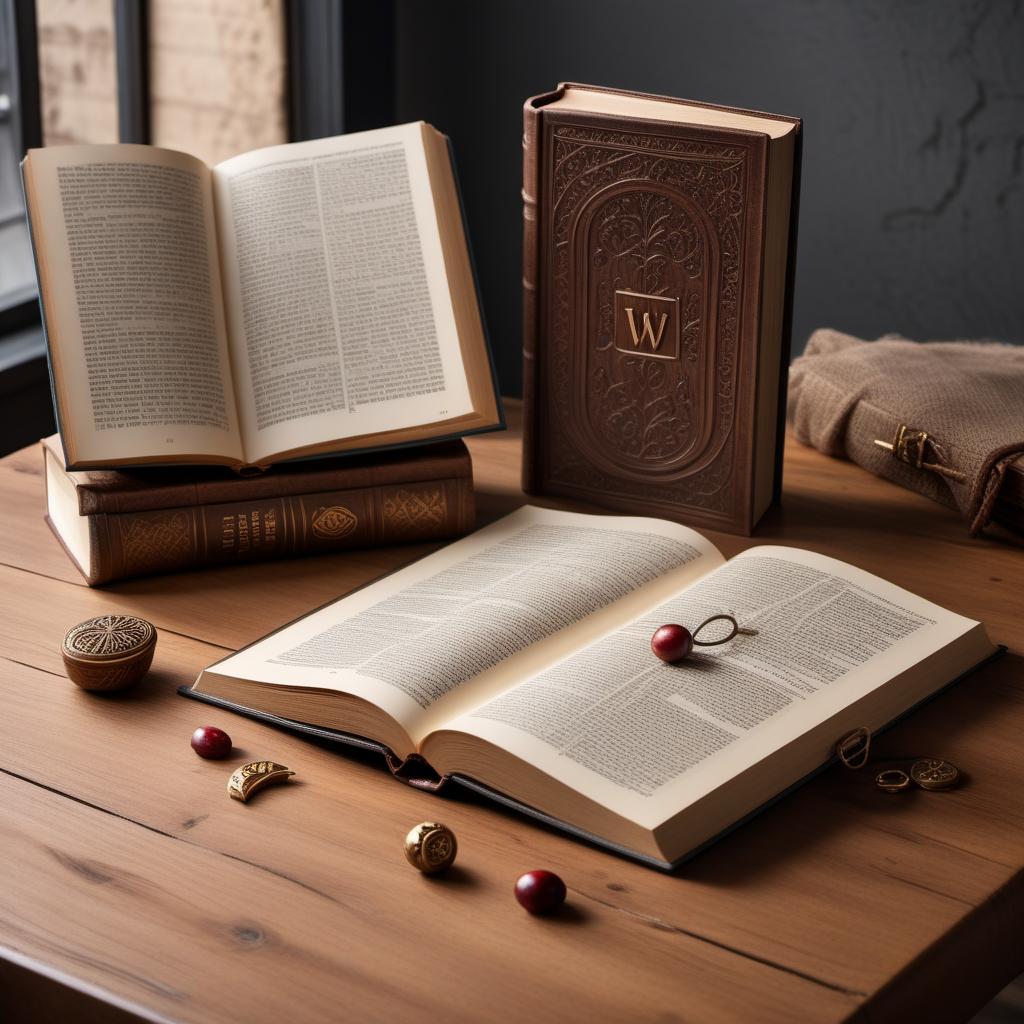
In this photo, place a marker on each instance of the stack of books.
(273, 356)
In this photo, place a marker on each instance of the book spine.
(787, 314)
(531, 305)
(171, 540)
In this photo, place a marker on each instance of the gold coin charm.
(431, 847)
(255, 776)
(894, 780)
(933, 773)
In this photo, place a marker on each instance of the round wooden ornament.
(110, 652)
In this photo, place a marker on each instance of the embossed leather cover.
(642, 266)
(170, 519)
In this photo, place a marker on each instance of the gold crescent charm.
(255, 776)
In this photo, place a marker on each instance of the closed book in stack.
(118, 524)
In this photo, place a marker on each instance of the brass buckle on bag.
(908, 445)
(912, 446)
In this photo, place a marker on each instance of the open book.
(517, 661)
(297, 300)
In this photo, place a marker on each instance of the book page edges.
(342, 712)
(623, 103)
(463, 288)
(772, 349)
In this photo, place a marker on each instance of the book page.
(440, 635)
(339, 311)
(130, 280)
(646, 739)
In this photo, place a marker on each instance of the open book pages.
(520, 658)
(301, 299)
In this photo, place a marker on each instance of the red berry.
(540, 892)
(211, 742)
(672, 642)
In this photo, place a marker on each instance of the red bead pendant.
(540, 892)
(672, 642)
(210, 742)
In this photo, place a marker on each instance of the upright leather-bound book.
(659, 239)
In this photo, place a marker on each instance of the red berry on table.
(672, 642)
(210, 742)
(540, 892)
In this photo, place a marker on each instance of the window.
(17, 111)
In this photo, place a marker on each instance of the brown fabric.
(967, 397)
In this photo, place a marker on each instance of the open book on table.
(517, 661)
(299, 300)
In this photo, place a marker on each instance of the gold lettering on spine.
(227, 533)
(242, 522)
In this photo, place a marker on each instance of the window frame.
(131, 49)
(341, 66)
(21, 311)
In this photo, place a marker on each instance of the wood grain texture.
(133, 878)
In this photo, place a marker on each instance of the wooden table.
(132, 885)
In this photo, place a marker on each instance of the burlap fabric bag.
(952, 412)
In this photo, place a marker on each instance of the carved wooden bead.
(110, 652)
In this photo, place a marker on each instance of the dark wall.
(912, 210)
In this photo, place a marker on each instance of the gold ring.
(893, 780)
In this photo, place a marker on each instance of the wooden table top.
(132, 885)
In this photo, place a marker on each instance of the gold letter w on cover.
(648, 330)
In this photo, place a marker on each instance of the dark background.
(912, 204)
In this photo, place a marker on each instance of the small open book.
(297, 300)
(517, 661)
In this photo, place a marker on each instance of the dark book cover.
(644, 267)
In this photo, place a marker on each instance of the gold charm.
(893, 780)
(853, 748)
(431, 847)
(254, 776)
(933, 773)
